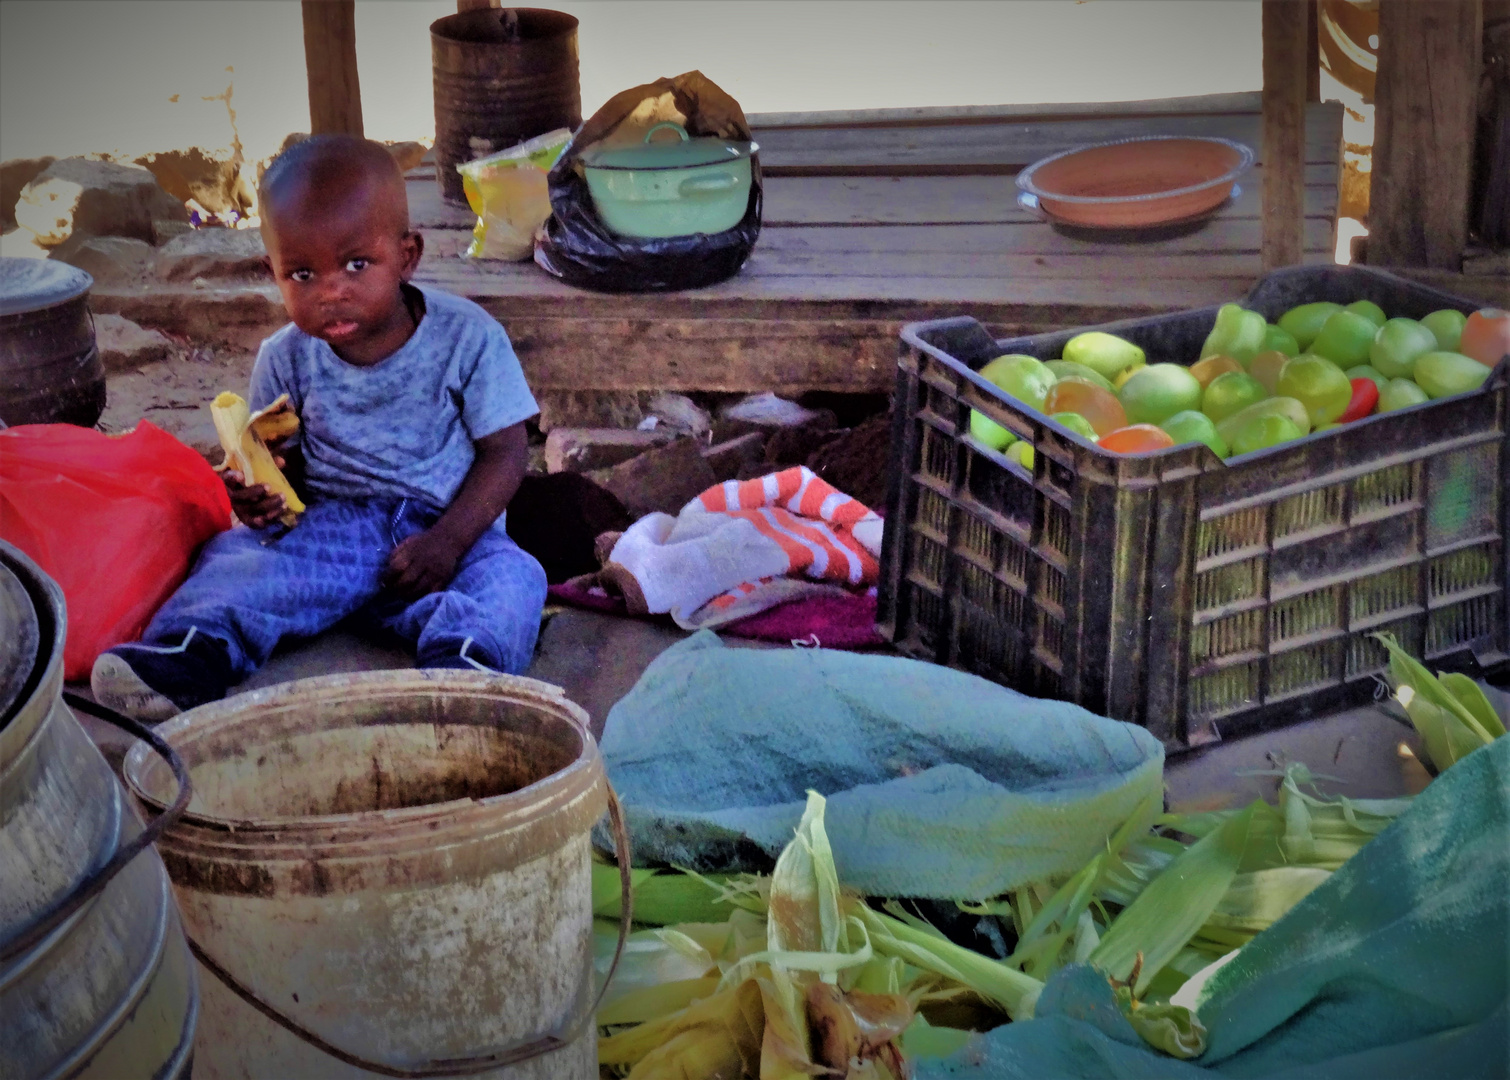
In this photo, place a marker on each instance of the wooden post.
(1313, 50)
(474, 5)
(1425, 108)
(330, 61)
(1286, 62)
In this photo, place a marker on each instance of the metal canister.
(50, 370)
(502, 75)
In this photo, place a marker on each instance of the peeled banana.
(243, 437)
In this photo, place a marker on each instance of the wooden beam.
(475, 5)
(1313, 51)
(330, 61)
(1286, 62)
(1425, 107)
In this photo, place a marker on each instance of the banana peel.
(244, 436)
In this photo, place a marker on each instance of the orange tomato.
(1100, 408)
(1486, 336)
(1209, 368)
(1137, 439)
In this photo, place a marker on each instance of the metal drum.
(110, 991)
(502, 75)
(50, 370)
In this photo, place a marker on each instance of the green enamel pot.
(671, 187)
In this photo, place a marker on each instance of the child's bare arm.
(426, 562)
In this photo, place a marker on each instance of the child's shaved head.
(328, 173)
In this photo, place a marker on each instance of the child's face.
(339, 269)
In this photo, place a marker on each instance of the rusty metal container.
(396, 863)
(50, 370)
(502, 75)
(109, 991)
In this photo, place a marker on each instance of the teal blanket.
(1396, 966)
(939, 784)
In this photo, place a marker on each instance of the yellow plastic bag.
(507, 191)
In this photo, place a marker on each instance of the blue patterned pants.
(254, 588)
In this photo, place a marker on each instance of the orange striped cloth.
(743, 547)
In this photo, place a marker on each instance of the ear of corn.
(1449, 711)
(243, 438)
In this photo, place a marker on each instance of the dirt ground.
(175, 393)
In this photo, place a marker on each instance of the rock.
(15, 175)
(589, 409)
(125, 346)
(790, 446)
(558, 520)
(678, 412)
(164, 231)
(857, 463)
(110, 260)
(407, 154)
(95, 198)
(581, 450)
(728, 459)
(21, 244)
(213, 253)
(665, 479)
(217, 185)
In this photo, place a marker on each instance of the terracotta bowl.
(1136, 183)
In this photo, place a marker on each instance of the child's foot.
(463, 659)
(153, 683)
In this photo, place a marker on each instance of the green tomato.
(1287, 407)
(1278, 339)
(1366, 371)
(1345, 339)
(1447, 326)
(1396, 346)
(1020, 376)
(1022, 453)
(1262, 432)
(1195, 427)
(1229, 393)
(1068, 369)
(1076, 423)
(1443, 374)
(988, 432)
(1238, 333)
(1305, 322)
(1369, 310)
(1105, 354)
(1158, 391)
(1400, 394)
(1319, 385)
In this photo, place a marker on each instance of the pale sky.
(93, 76)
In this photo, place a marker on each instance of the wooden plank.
(330, 61)
(1284, 128)
(1245, 102)
(1425, 103)
(1010, 146)
(1313, 51)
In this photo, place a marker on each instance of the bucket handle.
(95, 883)
(468, 1066)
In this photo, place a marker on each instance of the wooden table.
(874, 219)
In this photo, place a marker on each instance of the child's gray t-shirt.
(404, 426)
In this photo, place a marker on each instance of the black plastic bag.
(575, 246)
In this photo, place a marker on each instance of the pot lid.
(19, 640)
(683, 153)
(35, 284)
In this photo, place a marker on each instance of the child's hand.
(422, 564)
(255, 506)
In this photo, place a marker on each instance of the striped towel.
(745, 546)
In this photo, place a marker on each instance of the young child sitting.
(411, 444)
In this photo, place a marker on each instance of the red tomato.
(1486, 336)
(1137, 439)
(1365, 398)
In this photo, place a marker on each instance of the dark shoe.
(154, 682)
(461, 660)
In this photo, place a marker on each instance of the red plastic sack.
(114, 520)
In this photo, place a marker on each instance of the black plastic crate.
(1197, 597)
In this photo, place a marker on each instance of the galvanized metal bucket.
(389, 874)
(95, 976)
(502, 76)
